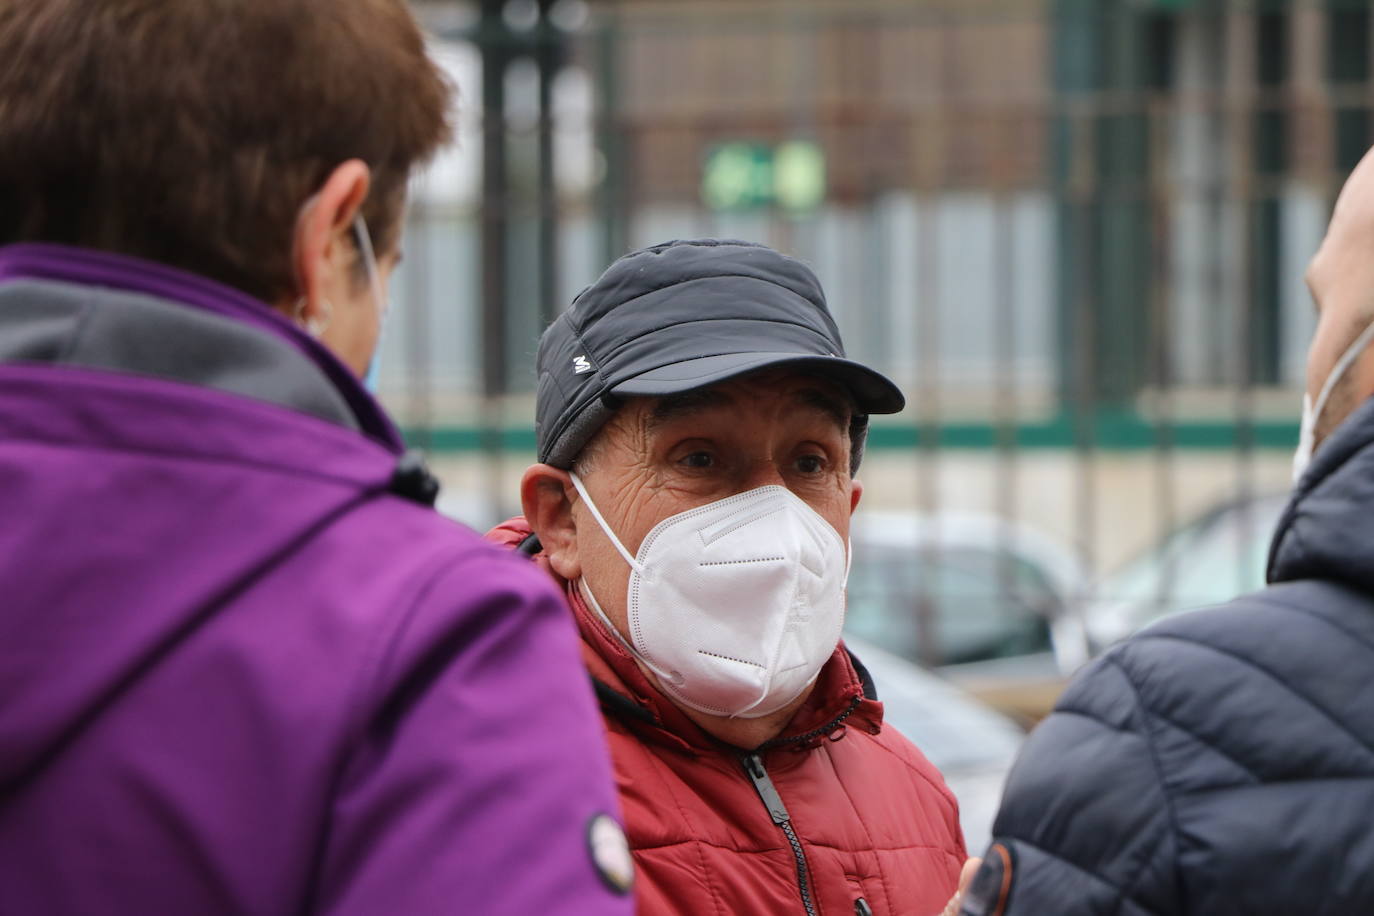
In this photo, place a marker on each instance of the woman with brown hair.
(244, 666)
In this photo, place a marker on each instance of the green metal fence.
(1073, 230)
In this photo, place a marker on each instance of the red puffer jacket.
(837, 816)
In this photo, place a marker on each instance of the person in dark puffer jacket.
(1223, 761)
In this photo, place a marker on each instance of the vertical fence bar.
(494, 43)
(1085, 237)
(1006, 399)
(928, 411)
(419, 319)
(610, 141)
(548, 59)
(1254, 191)
(1160, 326)
(928, 372)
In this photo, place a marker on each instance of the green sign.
(750, 176)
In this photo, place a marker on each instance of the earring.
(315, 325)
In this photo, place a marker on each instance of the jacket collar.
(1328, 526)
(156, 292)
(842, 698)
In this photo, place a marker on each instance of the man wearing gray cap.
(698, 429)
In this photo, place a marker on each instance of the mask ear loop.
(374, 274)
(668, 677)
(1338, 370)
(596, 514)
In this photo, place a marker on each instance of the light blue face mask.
(374, 278)
(370, 376)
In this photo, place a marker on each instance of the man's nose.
(763, 472)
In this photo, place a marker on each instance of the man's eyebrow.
(836, 408)
(671, 407)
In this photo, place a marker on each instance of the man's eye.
(811, 464)
(698, 460)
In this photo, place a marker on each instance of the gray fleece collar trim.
(45, 321)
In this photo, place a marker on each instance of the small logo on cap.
(580, 365)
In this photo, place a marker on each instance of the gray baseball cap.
(685, 315)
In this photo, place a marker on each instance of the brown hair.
(191, 131)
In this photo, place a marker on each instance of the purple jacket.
(241, 672)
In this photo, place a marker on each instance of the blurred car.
(972, 744)
(986, 603)
(1209, 560)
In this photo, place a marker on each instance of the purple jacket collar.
(42, 261)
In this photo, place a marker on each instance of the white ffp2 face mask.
(1311, 412)
(735, 605)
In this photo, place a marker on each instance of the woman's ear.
(324, 225)
(545, 497)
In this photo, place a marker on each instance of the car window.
(952, 605)
(950, 727)
(1203, 563)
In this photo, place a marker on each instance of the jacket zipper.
(828, 728)
(768, 793)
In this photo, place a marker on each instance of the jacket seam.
(77, 334)
(237, 461)
(1308, 612)
(1121, 729)
(1168, 720)
(1272, 676)
(365, 682)
(1296, 780)
(384, 643)
(1120, 890)
(882, 872)
(192, 395)
(702, 841)
(190, 626)
(1171, 817)
(703, 871)
(940, 789)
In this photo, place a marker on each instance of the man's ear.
(323, 226)
(856, 491)
(546, 497)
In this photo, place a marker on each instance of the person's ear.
(855, 492)
(321, 244)
(546, 497)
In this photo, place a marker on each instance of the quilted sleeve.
(1085, 825)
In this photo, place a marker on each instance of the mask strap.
(668, 677)
(374, 274)
(1338, 370)
(374, 279)
(596, 514)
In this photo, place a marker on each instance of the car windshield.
(949, 605)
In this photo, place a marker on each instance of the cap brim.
(873, 392)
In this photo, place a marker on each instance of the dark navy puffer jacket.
(1223, 761)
